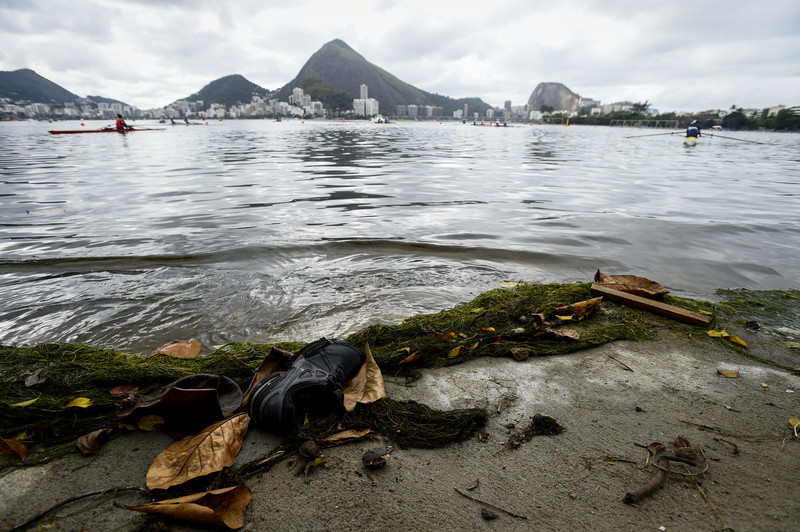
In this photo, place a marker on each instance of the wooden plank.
(656, 307)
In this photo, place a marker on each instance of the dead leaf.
(728, 373)
(455, 351)
(473, 485)
(566, 333)
(349, 436)
(410, 358)
(182, 349)
(655, 448)
(717, 334)
(150, 422)
(25, 403)
(794, 422)
(631, 284)
(448, 336)
(367, 386)
(473, 345)
(316, 462)
(80, 402)
(194, 456)
(578, 310)
(12, 446)
(223, 507)
(736, 340)
(89, 444)
(125, 389)
(487, 329)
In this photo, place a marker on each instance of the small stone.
(375, 458)
(308, 449)
(639, 409)
(573, 496)
(520, 353)
(488, 514)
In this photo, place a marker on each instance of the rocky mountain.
(554, 95)
(230, 90)
(25, 84)
(341, 69)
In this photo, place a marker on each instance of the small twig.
(73, 499)
(509, 512)
(735, 447)
(660, 466)
(649, 488)
(624, 365)
(705, 495)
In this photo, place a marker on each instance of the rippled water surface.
(259, 230)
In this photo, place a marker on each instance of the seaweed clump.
(412, 424)
(495, 323)
(51, 375)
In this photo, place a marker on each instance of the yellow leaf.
(26, 403)
(410, 358)
(80, 402)
(794, 422)
(473, 346)
(194, 456)
(479, 309)
(565, 318)
(736, 340)
(701, 311)
(728, 373)
(764, 385)
(151, 422)
(487, 329)
(455, 352)
(509, 284)
(717, 334)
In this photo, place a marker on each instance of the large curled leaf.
(181, 349)
(223, 507)
(367, 386)
(12, 446)
(194, 456)
(631, 284)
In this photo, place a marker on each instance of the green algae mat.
(520, 320)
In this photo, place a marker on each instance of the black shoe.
(311, 388)
(333, 355)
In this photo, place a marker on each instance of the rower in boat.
(692, 132)
(121, 123)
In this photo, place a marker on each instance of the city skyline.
(679, 56)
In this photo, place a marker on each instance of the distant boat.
(104, 130)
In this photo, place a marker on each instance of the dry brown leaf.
(367, 386)
(580, 309)
(223, 507)
(125, 389)
(473, 485)
(194, 456)
(631, 284)
(655, 448)
(348, 436)
(566, 333)
(410, 358)
(182, 349)
(89, 444)
(732, 374)
(12, 446)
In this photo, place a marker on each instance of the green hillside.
(230, 90)
(337, 68)
(25, 84)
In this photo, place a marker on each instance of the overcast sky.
(678, 55)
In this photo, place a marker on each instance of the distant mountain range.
(333, 75)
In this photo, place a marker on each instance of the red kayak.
(104, 130)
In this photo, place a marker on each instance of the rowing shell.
(104, 130)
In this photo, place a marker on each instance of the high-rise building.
(364, 91)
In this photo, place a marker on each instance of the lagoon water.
(260, 230)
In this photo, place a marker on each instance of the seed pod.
(309, 449)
